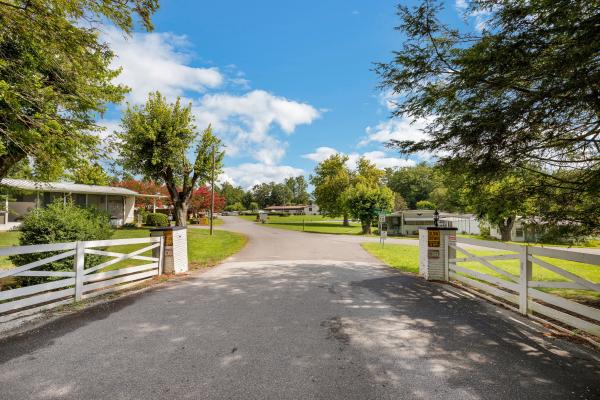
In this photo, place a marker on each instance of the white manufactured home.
(21, 196)
(301, 209)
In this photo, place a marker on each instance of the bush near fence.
(58, 223)
(157, 220)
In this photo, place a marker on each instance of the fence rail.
(521, 290)
(84, 281)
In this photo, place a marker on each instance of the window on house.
(98, 201)
(519, 232)
(79, 200)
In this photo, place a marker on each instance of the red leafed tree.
(146, 187)
(200, 201)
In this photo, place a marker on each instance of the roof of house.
(297, 207)
(65, 187)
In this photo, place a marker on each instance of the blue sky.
(285, 84)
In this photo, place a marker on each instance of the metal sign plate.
(433, 238)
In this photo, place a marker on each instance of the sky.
(284, 84)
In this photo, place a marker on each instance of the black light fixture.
(436, 218)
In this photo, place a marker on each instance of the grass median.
(310, 223)
(406, 258)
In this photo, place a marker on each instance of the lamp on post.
(436, 218)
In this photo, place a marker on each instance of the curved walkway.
(294, 316)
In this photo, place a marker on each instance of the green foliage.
(154, 143)
(399, 202)
(248, 199)
(299, 189)
(425, 205)
(413, 183)
(331, 179)
(157, 219)
(59, 223)
(231, 194)
(275, 194)
(91, 174)
(55, 78)
(235, 207)
(514, 96)
(253, 206)
(364, 202)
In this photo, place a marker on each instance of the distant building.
(21, 196)
(408, 222)
(464, 223)
(302, 209)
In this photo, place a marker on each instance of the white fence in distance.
(521, 290)
(81, 282)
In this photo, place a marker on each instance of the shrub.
(157, 220)
(59, 223)
(425, 205)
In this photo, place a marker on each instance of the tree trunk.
(346, 221)
(366, 227)
(506, 229)
(181, 210)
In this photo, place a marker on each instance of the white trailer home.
(21, 196)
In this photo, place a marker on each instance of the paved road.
(294, 316)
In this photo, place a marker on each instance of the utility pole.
(212, 191)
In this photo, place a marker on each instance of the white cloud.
(480, 17)
(379, 158)
(388, 99)
(395, 129)
(244, 122)
(320, 154)
(460, 4)
(250, 174)
(157, 61)
(110, 126)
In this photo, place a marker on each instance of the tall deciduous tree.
(55, 77)
(364, 202)
(90, 174)
(522, 93)
(299, 189)
(155, 141)
(231, 193)
(331, 179)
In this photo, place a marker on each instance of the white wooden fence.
(81, 283)
(521, 290)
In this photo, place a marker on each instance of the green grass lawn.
(203, 249)
(310, 223)
(406, 258)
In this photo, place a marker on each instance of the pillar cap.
(168, 228)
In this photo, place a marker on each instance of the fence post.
(79, 269)
(161, 255)
(524, 278)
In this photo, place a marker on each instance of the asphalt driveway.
(295, 316)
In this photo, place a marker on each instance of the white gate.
(521, 289)
(81, 283)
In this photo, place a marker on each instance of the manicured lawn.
(203, 249)
(406, 258)
(402, 257)
(310, 223)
